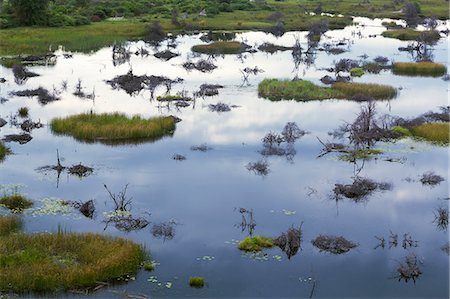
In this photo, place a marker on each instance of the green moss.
(64, 261)
(256, 243)
(113, 128)
(220, 47)
(402, 131)
(419, 69)
(356, 72)
(196, 281)
(9, 224)
(15, 202)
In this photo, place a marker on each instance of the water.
(204, 193)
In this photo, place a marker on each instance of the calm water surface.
(204, 193)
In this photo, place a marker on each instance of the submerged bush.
(15, 202)
(113, 128)
(256, 243)
(64, 261)
(423, 68)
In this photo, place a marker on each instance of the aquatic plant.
(61, 261)
(196, 281)
(113, 127)
(221, 47)
(377, 91)
(255, 243)
(333, 244)
(433, 132)
(9, 224)
(23, 112)
(407, 34)
(356, 72)
(423, 68)
(409, 269)
(15, 202)
(148, 266)
(3, 151)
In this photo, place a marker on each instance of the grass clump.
(23, 112)
(299, 90)
(356, 72)
(402, 131)
(360, 154)
(424, 68)
(15, 202)
(9, 224)
(149, 266)
(220, 47)
(196, 282)
(3, 151)
(408, 34)
(112, 128)
(377, 91)
(256, 243)
(62, 261)
(433, 132)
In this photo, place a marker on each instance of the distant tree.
(30, 12)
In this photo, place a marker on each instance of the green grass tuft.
(377, 91)
(433, 132)
(114, 128)
(402, 131)
(356, 72)
(64, 261)
(408, 34)
(196, 282)
(256, 243)
(9, 224)
(15, 202)
(149, 266)
(419, 69)
(3, 151)
(221, 47)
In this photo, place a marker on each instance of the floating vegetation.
(423, 68)
(196, 282)
(255, 243)
(222, 47)
(441, 218)
(80, 170)
(260, 167)
(20, 138)
(201, 148)
(359, 154)
(52, 206)
(149, 266)
(333, 244)
(164, 230)
(15, 202)
(64, 261)
(356, 72)
(113, 128)
(431, 179)
(272, 48)
(359, 190)
(9, 224)
(43, 95)
(409, 269)
(290, 241)
(208, 90)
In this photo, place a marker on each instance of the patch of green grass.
(220, 47)
(4, 150)
(377, 91)
(303, 90)
(64, 261)
(113, 128)
(255, 243)
(402, 131)
(169, 98)
(360, 154)
(419, 69)
(196, 281)
(9, 224)
(433, 132)
(15, 202)
(409, 34)
(299, 90)
(149, 266)
(356, 72)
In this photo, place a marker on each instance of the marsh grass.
(9, 224)
(220, 47)
(433, 132)
(409, 34)
(61, 261)
(303, 90)
(377, 91)
(419, 69)
(113, 128)
(360, 154)
(356, 72)
(196, 281)
(15, 202)
(255, 243)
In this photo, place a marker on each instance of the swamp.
(274, 158)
